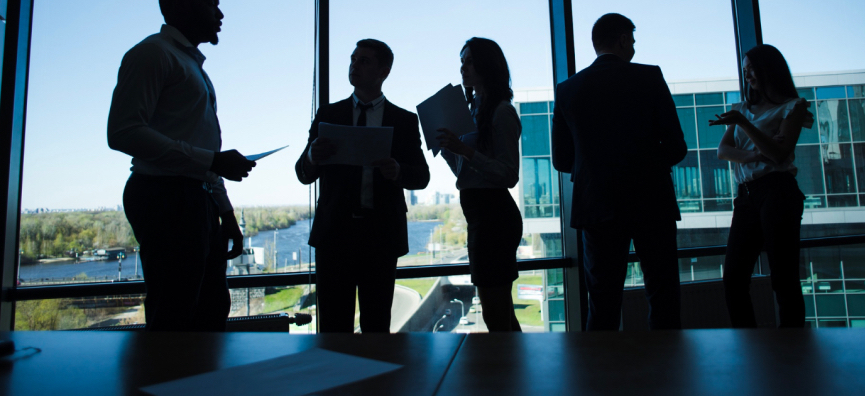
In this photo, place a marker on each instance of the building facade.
(830, 158)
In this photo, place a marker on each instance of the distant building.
(410, 198)
(830, 159)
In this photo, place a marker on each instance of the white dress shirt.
(769, 123)
(496, 166)
(163, 112)
(373, 119)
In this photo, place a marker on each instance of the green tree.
(54, 314)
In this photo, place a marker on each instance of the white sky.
(262, 70)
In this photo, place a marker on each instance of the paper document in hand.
(256, 157)
(310, 371)
(359, 146)
(446, 109)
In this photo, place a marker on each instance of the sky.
(262, 70)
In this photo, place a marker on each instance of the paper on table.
(313, 370)
(256, 157)
(446, 109)
(359, 146)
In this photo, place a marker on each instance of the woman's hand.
(450, 141)
(732, 117)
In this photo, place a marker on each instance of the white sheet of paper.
(446, 109)
(256, 157)
(359, 146)
(313, 370)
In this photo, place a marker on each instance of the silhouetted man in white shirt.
(163, 114)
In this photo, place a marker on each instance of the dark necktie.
(361, 120)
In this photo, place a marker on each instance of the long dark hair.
(771, 70)
(490, 64)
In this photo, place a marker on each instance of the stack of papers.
(446, 109)
(360, 146)
(302, 373)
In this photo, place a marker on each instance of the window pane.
(79, 313)
(809, 175)
(733, 97)
(689, 125)
(807, 93)
(833, 121)
(857, 119)
(830, 305)
(535, 135)
(80, 235)
(710, 136)
(686, 177)
(813, 50)
(856, 304)
(831, 92)
(838, 166)
(458, 309)
(684, 100)
(538, 185)
(709, 99)
(439, 64)
(718, 205)
(533, 108)
(717, 181)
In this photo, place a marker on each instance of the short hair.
(382, 51)
(167, 9)
(608, 28)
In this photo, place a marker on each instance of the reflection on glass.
(857, 119)
(838, 168)
(832, 121)
(717, 179)
(536, 135)
(809, 174)
(686, 177)
(842, 201)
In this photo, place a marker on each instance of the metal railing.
(424, 271)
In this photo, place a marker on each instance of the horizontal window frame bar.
(248, 281)
(424, 271)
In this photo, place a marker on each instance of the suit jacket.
(616, 131)
(340, 185)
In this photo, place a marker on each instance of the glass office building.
(830, 158)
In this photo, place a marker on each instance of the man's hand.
(389, 168)
(319, 150)
(231, 165)
(231, 231)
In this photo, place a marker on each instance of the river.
(288, 241)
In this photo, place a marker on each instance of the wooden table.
(693, 362)
(117, 363)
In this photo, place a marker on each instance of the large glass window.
(418, 72)
(703, 84)
(73, 225)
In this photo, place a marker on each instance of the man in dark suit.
(615, 130)
(359, 229)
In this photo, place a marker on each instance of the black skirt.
(495, 229)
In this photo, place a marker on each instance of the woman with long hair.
(486, 163)
(762, 132)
